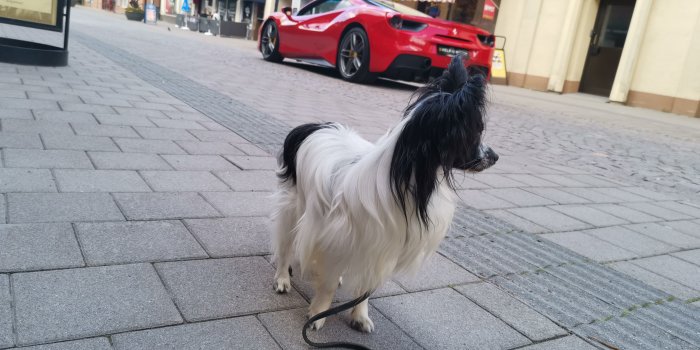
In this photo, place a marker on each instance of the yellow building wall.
(664, 71)
(579, 50)
(544, 45)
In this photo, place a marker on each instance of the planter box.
(180, 20)
(203, 24)
(134, 16)
(193, 23)
(233, 29)
(214, 26)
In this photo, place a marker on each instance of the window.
(324, 6)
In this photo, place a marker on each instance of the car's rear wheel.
(270, 43)
(353, 57)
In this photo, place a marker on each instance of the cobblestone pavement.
(136, 186)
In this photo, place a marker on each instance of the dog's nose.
(493, 155)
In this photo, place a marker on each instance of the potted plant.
(134, 12)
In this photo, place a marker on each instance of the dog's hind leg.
(325, 285)
(283, 246)
(360, 317)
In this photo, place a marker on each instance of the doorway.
(605, 48)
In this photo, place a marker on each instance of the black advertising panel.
(42, 14)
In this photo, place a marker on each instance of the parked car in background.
(364, 39)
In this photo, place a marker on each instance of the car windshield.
(400, 8)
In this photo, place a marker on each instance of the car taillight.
(401, 24)
(488, 40)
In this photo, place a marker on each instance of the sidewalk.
(136, 196)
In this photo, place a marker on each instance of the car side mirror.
(287, 11)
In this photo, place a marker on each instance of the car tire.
(270, 43)
(352, 60)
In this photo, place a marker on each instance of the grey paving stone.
(650, 194)
(563, 180)
(621, 195)
(655, 280)
(26, 180)
(625, 213)
(285, 325)
(36, 127)
(589, 215)
(479, 199)
(16, 113)
(38, 247)
(124, 120)
(591, 195)
(6, 339)
(173, 181)
(589, 246)
(467, 182)
(67, 117)
(17, 140)
(147, 206)
(81, 143)
(61, 207)
(107, 101)
(253, 163)
(139, 112)
(571, 342)
(23, 103)
(688, 227)
(128, 161)
(127, 242)
(549, 218)
(444, 319)
(631, 240)
(148, 146)
(234, 333)
(251, 150)
(519, 197)
(226, 136)
(510, 310)
(164, 134)
(673, 268)
(70, 180)
(155, 106)
(82, 344)
(681, 208)
(30, 158)
(177, 124)
(199, 162)
(557, 195)
(207, 289)
(217, 147)
(13, 94)
(593, 180)
(517, 221)
(497, 180)
(241, 203)
(249, 180)
(531, 180)
(179, 115)
(666, 234)
(77, 303)
(437, 272)
(84, 107)
(214, 126)
(655, 210)
(232, 236)
(104, 130)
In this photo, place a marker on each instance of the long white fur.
(341, 218)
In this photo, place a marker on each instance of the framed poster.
(42, 14)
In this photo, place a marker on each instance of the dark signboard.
(42, 14)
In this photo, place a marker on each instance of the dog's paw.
(316, 325)
(282, 285)
(362, 324)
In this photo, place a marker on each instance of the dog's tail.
(287, 159)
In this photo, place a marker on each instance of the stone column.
(630, 52)
(564, 47)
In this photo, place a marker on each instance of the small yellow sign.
(36, 11)
(498, 64)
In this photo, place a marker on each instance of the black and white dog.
(363, 211)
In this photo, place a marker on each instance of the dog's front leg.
(325, 286)
(360, 318)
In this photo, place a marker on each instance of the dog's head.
(443, 130)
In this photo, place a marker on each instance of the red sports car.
(364, 39)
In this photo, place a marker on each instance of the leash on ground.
(329, 312)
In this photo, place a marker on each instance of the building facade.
(643, 53)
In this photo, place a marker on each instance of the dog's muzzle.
(487, 158)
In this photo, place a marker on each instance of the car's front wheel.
(353, 57)
(270, 43)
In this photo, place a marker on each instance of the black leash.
(333, 311)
